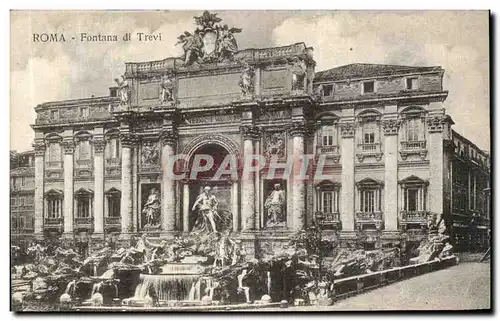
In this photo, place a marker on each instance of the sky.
(456, 40)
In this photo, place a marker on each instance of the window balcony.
(370, 149)
(113, 162)
(332, 151)
(331, 221)
(53, 223)
(113, 223)
(416, 147)
(369, 220)
(413, 219)
(83, 223)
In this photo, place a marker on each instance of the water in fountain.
(195, 294)
(167, 287)
(246, 289)
(95, 288)
(70, 287)
(95, 269)
(268, 283)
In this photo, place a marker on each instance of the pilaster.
(99, 146)
(390, 126)
(69, 149)
(298, 131)
(39, 185)
(169, 141)
(347, 199)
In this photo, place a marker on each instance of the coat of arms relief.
(210, 42)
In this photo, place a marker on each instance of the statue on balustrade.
(246, 80)
(298, 69)
(206, 205)
(275, 207)
(167, 88)
(152, 209)
(123, 90)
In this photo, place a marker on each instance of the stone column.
(69, 148)
(347, 198)
(435, 127)
(99, 145)
(250, 134)
(185, 207)
(391, 128)
(235, 207)
(298, 131)
(128, 141)
(39, 186)
(169, 139)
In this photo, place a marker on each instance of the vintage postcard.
(249, 160)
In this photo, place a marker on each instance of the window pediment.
(328, 185)
(84, 192)
(113, 191)
(54, 193)
(369, 183)
(413, 180)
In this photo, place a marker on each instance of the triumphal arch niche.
(216, 100)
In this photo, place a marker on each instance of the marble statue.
(152, 209)
(206, 204)
(123, 90)
(246, 80)
(167, 88)
(275, 207)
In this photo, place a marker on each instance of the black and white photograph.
(250, 160)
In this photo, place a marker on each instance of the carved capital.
(390, 126)
(99, 145)
(347, 130)
(169, 137)
(129, 140)
(40, 148)
(68, 146)
(436, 124)
(250, 132)
(298, 129)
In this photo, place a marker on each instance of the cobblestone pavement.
(460, 287)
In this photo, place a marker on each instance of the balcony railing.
(331, 220)
(416, 145)
(375, 219)
(85, 163)
(415, 219)
(333, 149)
(113, 220)
(83, 222)
(371, 148)
(53, 223)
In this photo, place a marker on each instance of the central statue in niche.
(275, 207)
(206, 205)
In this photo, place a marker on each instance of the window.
(12, 201)
(54, 152)
(114, 205)
(330, 201)
(84, 112)
(413, 129)
(328, 135)
(83, 207)
(84, 152)
(112, 92)
(369, 133)
(414, 192)
(368, 87)
(412, 83)
(54, 207)
(29, 200)
(367, 201)
(83, 199)
(54, 114)
(369, 196)
(113, 148)
(327, 90)
(22, 201)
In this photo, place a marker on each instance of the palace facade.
(390, 158)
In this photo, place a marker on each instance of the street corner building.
(392, 160)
